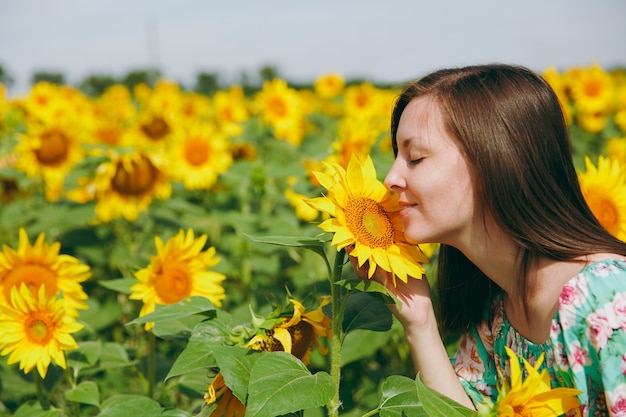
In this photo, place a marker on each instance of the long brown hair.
(509, 124)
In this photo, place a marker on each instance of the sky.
(383, 41)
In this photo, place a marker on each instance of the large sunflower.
(365, 214)
(36, 330)
(604, 188)
(533, 396)
(178, 270)
(296, 335)
(39, 266)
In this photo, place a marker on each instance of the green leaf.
(399, 398)
(121, 285)
(198, 353)
(361, 344)
(235, 364)
(85, 356)
(177, 329)
(35, 410)
(365, 311)
(189, 306)
(129, 405)
(315, 245)
(113, 356)
(437, 404)
(369, 286)
(280, 384)
(86, 393)
(175, 413)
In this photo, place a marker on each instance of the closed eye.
(416, 161)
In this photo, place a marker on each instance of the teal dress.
(586, 348)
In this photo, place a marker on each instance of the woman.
(484, 167)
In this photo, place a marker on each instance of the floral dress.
(586, 348)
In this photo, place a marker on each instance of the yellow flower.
(616, 149)
(36, 330)
(178, 270)
(200, 155)
(329, 85)
(228, 404)
(281, 107)
(49, 151)
(298, 202)
(534, 396)
(41, 266)
(604, 188)
(296, 335)
(365, 214)
(231, 110)
(127, 184)
(592, 91)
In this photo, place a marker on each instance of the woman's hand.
(416, 309)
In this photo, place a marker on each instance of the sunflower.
(365, 214)
(127, 184)
(201, 154)
(296, 335)
(532, 397)
(356, 137)
(593, 91)
(178, 270)
(41, 266)
(49, 151)
(36, 330)
(282, 108)
(329, 85)
(604, 189)
(231, 110)
(228, 405)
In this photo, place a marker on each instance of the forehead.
(421, 120)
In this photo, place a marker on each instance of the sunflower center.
(135, 179)
(369, 222)
(196, 151)
(54, 147)
(33, 276)
(302, 337)
(277, 106)
(172, 283)
(156, 129)
(522, 411)
(39, 328)
(592, 88)
(605, 212)
(108, 135)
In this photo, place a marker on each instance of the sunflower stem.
(151, 363)
(45, 405)
(335, 350)
(71, 384)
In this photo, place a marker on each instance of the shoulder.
(594, 300)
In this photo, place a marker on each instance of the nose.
(394, 180)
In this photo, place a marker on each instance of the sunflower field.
(169, 253)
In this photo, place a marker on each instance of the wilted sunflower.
(178, 270)
(39, 266)
(531, 397)
(36, 330)
(604, 189)
(296, 335)
(365, 214)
